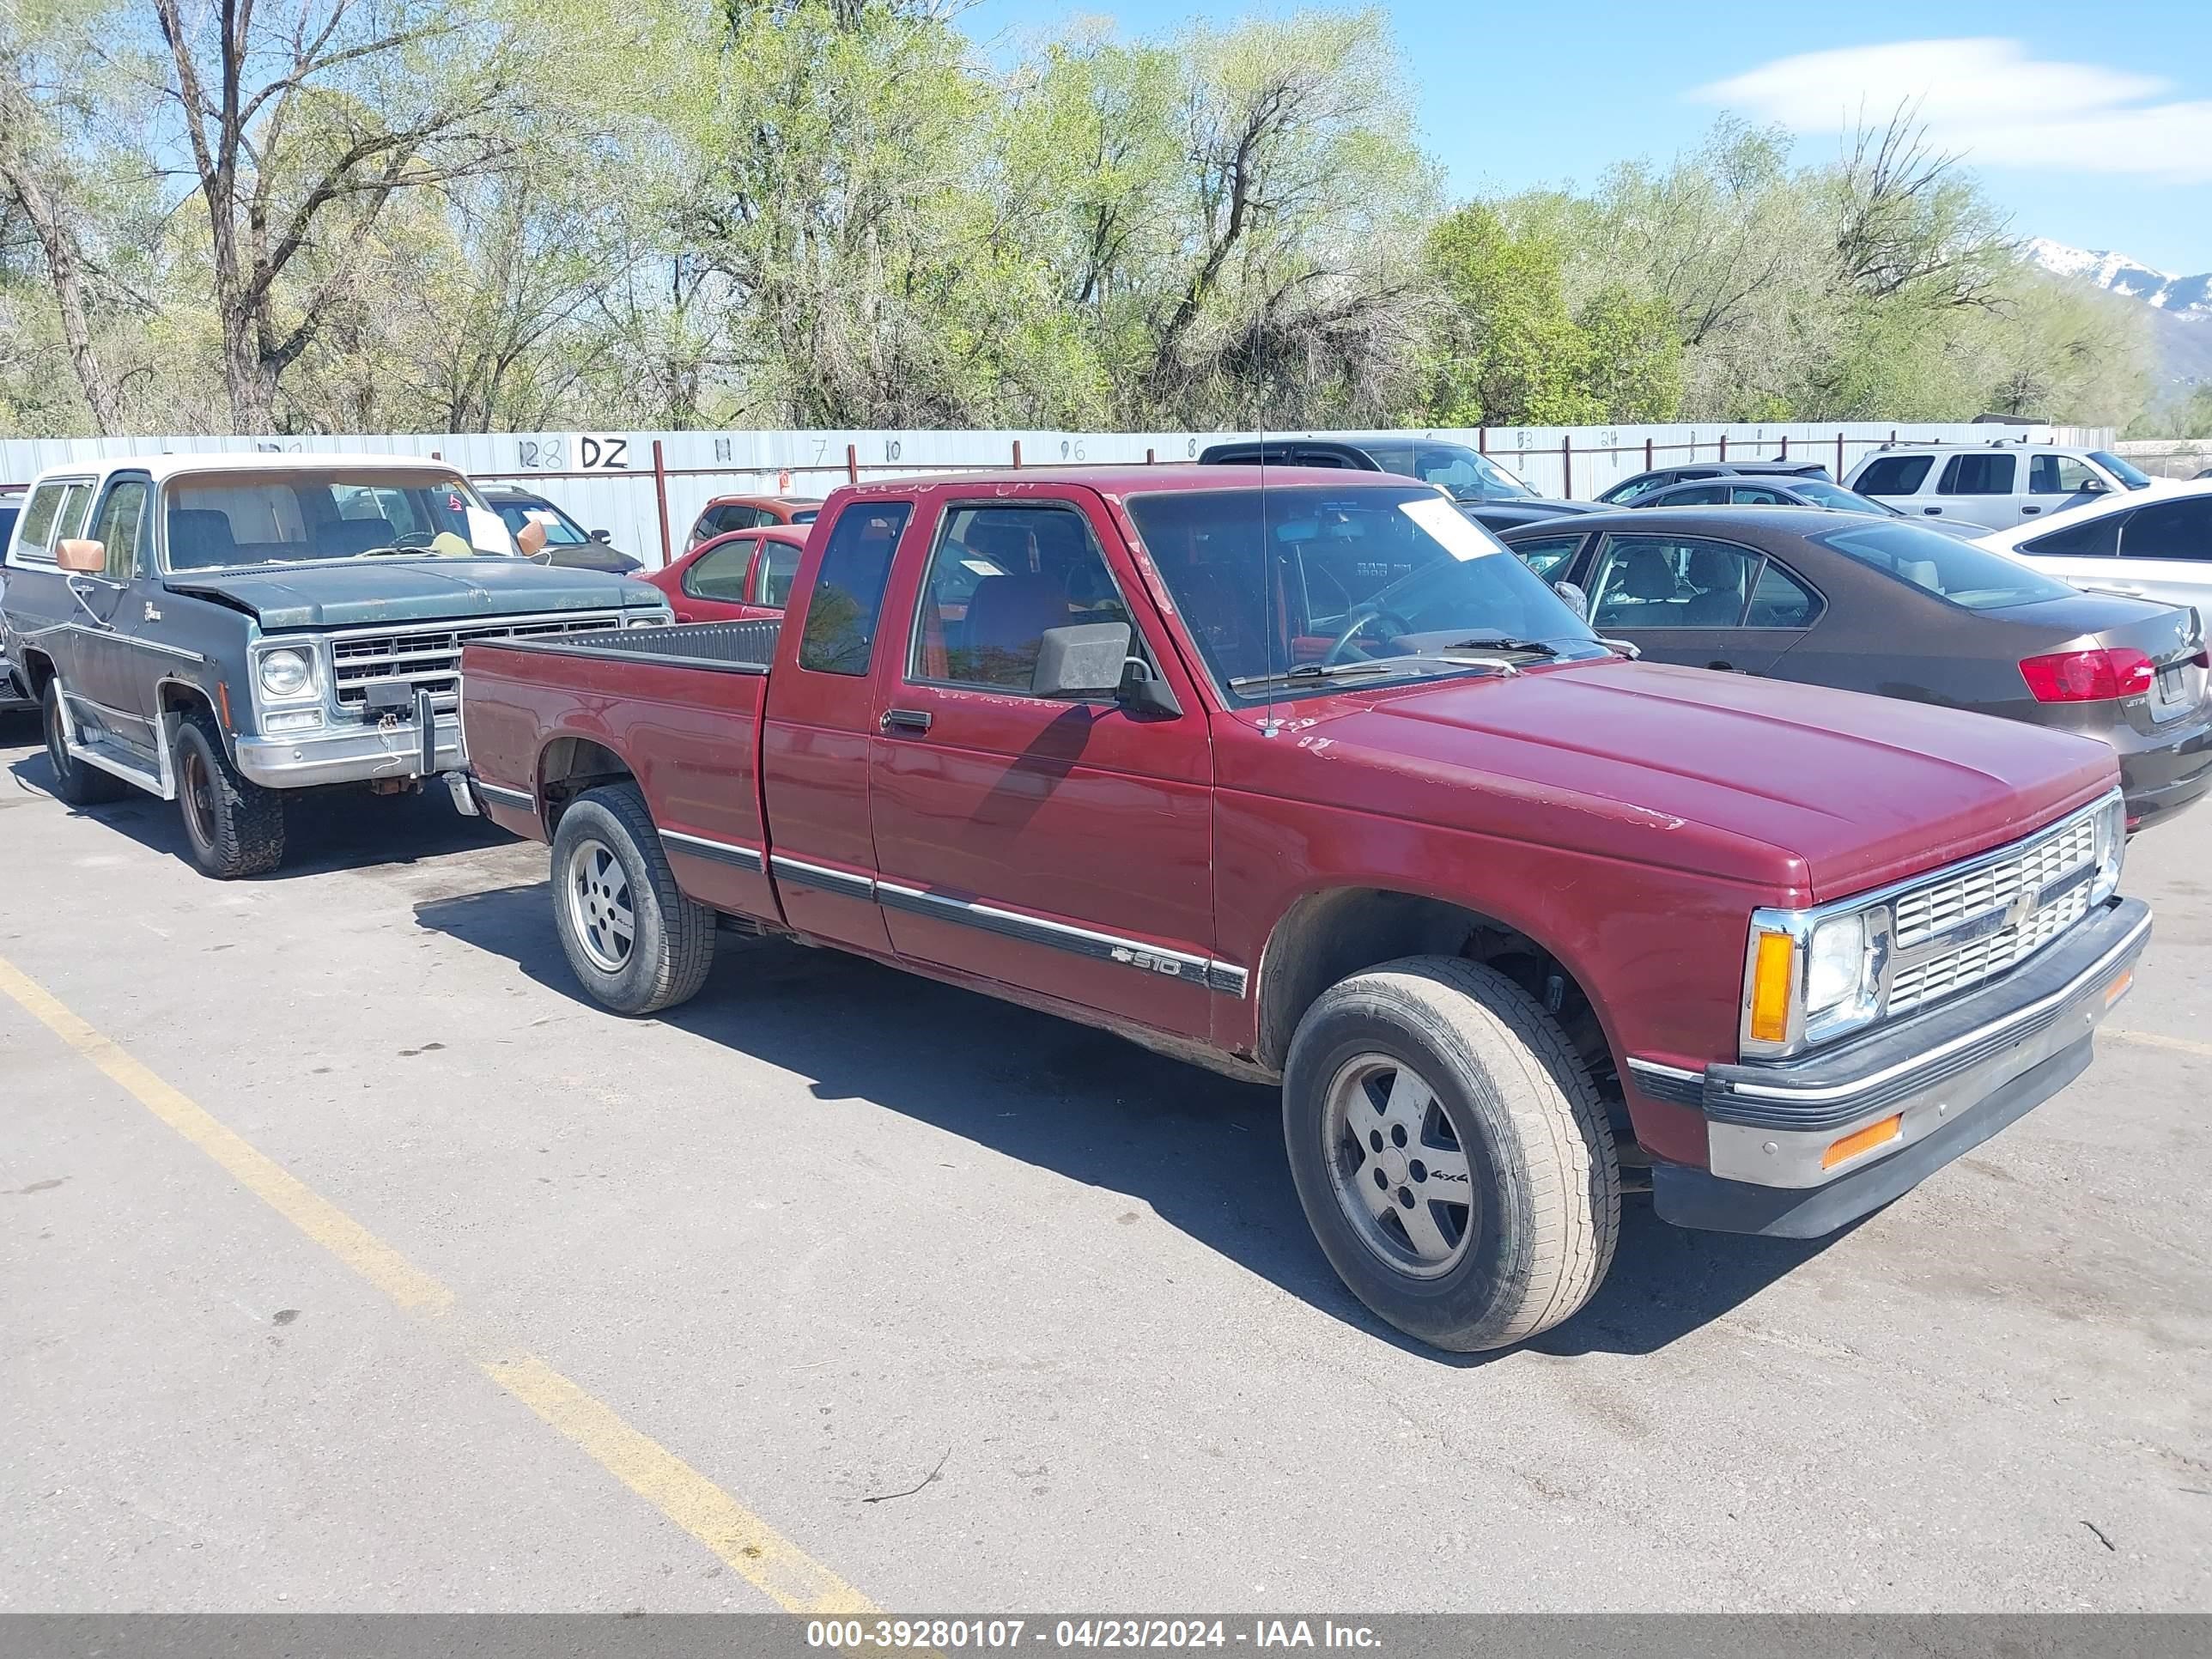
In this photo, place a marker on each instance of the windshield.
(2133, 478)
(1821, 493)
(219, 520)
(1361, 585)
(561, 530)
(1957, 571)
(1469, 474)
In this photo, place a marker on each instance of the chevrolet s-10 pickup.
(1305, 778)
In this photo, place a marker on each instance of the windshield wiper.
(1317, 671)
(1503, 643)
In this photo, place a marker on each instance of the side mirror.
(82, 554)
(1573, 598)
(2093, 487)
(531, 538)
(1084, 660)
(601, 536)
(1143, 692)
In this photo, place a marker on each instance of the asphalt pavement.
(351, 1261)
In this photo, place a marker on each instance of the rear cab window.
(846, 603)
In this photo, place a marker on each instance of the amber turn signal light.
(1770, 973)
(1863, 1140)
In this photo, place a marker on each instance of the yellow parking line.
(2152, 1039)
(771, 1563)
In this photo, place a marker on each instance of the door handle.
(913, 721)
(79, 586)
(2029, 511)
(1933, 512)
(1725, 667)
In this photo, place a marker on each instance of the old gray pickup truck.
(221, 630)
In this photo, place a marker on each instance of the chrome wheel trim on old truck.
(1397, 1166)
(600, 905)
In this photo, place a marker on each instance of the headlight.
(286, 672)
(651, 619)
(1835, 963)
(1807, 981)
(2112, 850)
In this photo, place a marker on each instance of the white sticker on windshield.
(488, 531)
(981, 567)
(1463, 538)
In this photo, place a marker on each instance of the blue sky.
(2090, 126)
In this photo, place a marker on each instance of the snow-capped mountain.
(2189, 298)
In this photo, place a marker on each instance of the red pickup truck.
(1313, 782)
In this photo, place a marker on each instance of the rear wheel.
(1451, 1153)
(234, 826)
(75, 781)
(635, 942)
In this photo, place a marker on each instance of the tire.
(75, 781)
(232, 825)
(1495, 1090)
(609, 870)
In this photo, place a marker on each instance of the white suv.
(1996, 485)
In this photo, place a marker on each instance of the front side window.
(1982, 474)
(1967, 575)
(806, 515)
(999, 578)
(2169, 530)
(1697, 494)
(1895, 475)
(842, 613)
(561, 530)
(122, 515)
(223, 520)
(719, 573)
(1547, 554)
(779, 563)
(2093, 539)
(1309, 587)
(2059, 475)
(2133, 476)
(1670, 582)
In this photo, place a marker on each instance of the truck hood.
(368, 591)
(1821, 792)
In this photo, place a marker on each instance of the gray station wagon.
(220, 630)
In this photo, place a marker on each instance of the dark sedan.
(566, 543)
(1901, 610)
(1638, 486)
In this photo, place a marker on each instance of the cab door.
(1063, 847)
(713, 585)
(45, 612)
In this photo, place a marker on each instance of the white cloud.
(1991, 100)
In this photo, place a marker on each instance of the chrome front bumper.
(355, 753)
(1951, 1077)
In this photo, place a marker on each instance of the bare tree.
(35, 182)
(1910, 223)
(301, 130)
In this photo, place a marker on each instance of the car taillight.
(2088, 675)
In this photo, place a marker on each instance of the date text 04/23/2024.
(851, 1634)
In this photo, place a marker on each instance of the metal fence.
(645, 489)
(2169, 457)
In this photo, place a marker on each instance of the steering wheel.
(1359, 626)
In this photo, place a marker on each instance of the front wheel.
(234, 826)
(635, 942)
(1451, 1152)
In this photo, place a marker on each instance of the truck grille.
(1988, 890)
(429, 658)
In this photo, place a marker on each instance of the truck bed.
(730, 647)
